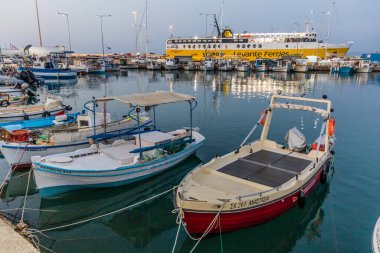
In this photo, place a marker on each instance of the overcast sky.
(353, 20)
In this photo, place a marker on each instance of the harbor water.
(338, 217)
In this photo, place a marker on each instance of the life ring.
(262, 121)
(4, 103)
(331, 127)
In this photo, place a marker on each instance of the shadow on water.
(279, 235)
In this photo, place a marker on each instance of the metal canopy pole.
(139, 130)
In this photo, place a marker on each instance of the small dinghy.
(376, 237)
(260, 180)
(52, 106)
(123, 161)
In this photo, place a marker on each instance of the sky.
(353, 20)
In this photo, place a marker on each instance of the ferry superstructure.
(250, 46)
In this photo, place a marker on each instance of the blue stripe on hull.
(57, 190)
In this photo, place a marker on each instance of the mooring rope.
(205, 233)
(25, 198)
(109, 213)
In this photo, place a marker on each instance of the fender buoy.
(331, 127)
(301, 199)
(4, 103)
(262, 121)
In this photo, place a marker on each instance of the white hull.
(17, 116)
(376, 237)
(20, 154)
(52, 179)
(301, 68)
(281, 69)
(171, 67)
(363, 70)
(243, 68)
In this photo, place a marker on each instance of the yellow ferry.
(250, 46)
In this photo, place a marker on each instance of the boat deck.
(266, 168)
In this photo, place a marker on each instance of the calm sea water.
(338, 217)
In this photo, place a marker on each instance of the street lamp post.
(38, 21)
(68, 26)
(101, 29)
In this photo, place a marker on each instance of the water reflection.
(139, 225)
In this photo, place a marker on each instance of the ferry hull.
(198, 222)
(250, 55)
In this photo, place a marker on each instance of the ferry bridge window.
(208, 46)
(249, 45)
(214, 46)
(254, 46)
(243, 46)
(286, 46)
(184, 46)
(189, 46)
(204, 46)
(193, 46)
(219, 46)
(226, 46)
(259, 45)
(238, 45)
(199, 46)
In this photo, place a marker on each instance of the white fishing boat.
(96, 66)
(52, 106)
(121, 162)
(301, 66)
(153, 65)
(65, 138)
(80, 68)
(363, 66)
(376, 237)
(282, 66)
(260, 180)
(189, 66)
(225, 66)
(208, 65)
(243, 67)
(170, 64)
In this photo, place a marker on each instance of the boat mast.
(219, 33)
(146, 29)
(38, 21)
(329, 29)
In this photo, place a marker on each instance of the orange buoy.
(331, 127)
(262, 121)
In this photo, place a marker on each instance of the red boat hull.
(197, 222)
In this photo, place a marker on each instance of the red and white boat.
(261, 180)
